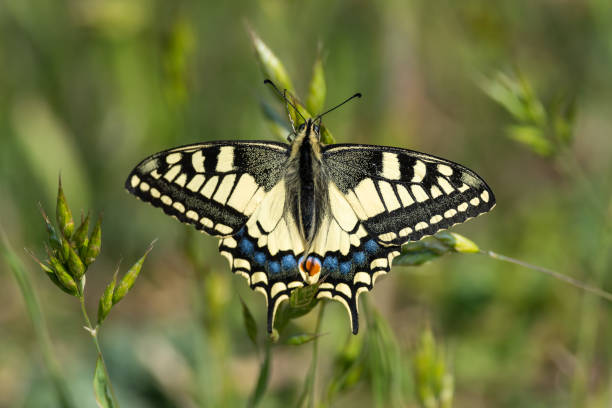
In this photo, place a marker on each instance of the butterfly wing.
(380, 198)
(267, 250)
(235, 191)
(349, 257)
(214, 186)
(401, 195)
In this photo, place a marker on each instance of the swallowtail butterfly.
(290, 215)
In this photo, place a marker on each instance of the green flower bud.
(65, 280)
(95, 241)
(75, 265)
(129, 278)
(63, 214)
(106, 300)
(80, 238)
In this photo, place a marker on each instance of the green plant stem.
(308, 392)
(94, 335)
(587, 288)
(589, 324)
(598, 266)
(38, 322)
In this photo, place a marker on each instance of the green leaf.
(80, 238)
(129, 278)
(304, 297)
(63, 214)
(66, 281)
(249, 322)
(301, 302)
(101, 385)
(106, 300)
(533, 138)
(317, 89)
(262, 380)
(95, 242)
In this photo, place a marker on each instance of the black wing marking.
(215, 186)
(401, 195)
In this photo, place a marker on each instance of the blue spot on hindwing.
(246, 246)
(274, 267)
(260, 258)
(345, 267)
(359, 258)
(288, 263)
(330, 263)
(371, 246)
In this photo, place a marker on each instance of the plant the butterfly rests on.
(304, 213)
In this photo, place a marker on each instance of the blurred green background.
(89, 88)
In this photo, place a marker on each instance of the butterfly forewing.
(214, 186)
(401, 195)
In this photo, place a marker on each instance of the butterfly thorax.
(306, 192)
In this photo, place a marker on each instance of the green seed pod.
(317, 89)
(48, 271)
(65, 249)
(75, 265)
(457, 243)
(271, 66)
(129, 279)
(106, 300)
(95, 241)
(63, 214)
(299, 339)
(66, 281)
(79, 238)
(54, 239)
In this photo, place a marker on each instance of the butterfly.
(305, 213)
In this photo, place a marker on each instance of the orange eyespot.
(310, 265)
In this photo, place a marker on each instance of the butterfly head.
(310, 128)
(308, 125)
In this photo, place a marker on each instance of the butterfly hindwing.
(350, 263)
(267, 250)
(401, 195)
(215, 186)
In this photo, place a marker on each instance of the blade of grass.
(262, 380)
(38, 321)
(557, 275)
(308, 392)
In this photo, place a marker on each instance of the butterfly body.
(294, 215)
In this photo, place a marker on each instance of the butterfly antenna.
(282, 95)
(357, 95)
